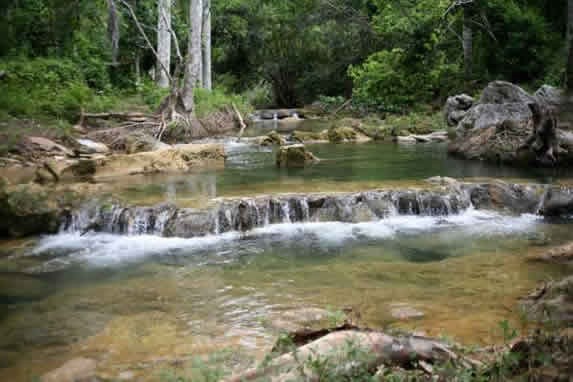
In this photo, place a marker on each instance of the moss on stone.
(342, 134)
(294, 156)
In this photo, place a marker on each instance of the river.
(139, 302)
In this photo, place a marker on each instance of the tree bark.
(113, 30)
(467, 42)
(569, 69)
(206, 67)
(192, 75)
(163, 42)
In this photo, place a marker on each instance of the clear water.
(345, 167)
(141, 303)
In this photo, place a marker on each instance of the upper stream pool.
(144, 303)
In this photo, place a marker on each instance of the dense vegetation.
(388, 55)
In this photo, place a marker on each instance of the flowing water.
(137, 301)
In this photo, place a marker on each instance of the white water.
(101, 249)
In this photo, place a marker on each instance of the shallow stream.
(144, 303)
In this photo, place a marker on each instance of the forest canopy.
(387, 55)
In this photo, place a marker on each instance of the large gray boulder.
(501, 128)
(502, 92)
(456, 108)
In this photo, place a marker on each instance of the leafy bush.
(207, 102)
(47, 87)
(387, 83)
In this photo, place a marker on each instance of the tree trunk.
(113, 30)
(193, 62)
(569, 69)
(163, 42)
(206, 72)
(467, 42)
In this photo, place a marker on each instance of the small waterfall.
(138, 223)
(542, 199)
(161, 221)
(303, 202)
(114, 223)
(267, 215)
(285, 212)
(249, 213)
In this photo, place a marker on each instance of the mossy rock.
(342, 134)
(27, 209)
(272, 139)
(294, 156)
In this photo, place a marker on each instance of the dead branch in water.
(241, 122)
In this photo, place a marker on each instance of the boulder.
(514, 198)
(494, 132)
(502, 92)
(273, 138)
(28, 209)
(46, 145)
(558, 202)
(75, 370)
(549, 95)
(87, 146)
(509, 125)
(294, 156)
(456, 108)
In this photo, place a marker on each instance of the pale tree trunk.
(113, 30)
(467, 42)
(206, 72)
(193, 63)
(163, 42)
(569, 69)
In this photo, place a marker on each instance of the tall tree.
(569, 69)
(113, 30)
(193, 62)
(206, 53)
(468, 40)
(163, 43)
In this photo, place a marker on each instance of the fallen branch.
(342, 107)
(241, 122)
(374, 348)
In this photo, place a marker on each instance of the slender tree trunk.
(163, 42)
(569, 69)
(137, 67)
(193, 62)
(207, 75)
(467, 42)
(113, 30)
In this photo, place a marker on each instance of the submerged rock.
(294, 156)
(75, 370)
(558, 255)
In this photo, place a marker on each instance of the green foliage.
(46, 87)
(207, 102)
